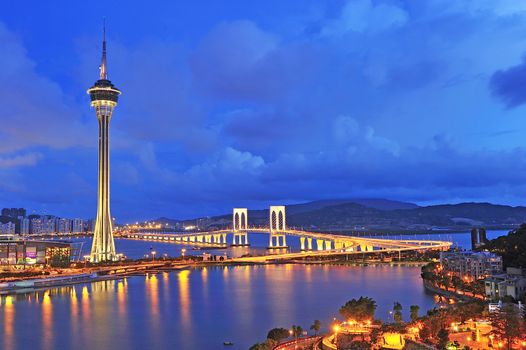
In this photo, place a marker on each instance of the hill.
(379, 215)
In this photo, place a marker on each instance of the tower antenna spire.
(103, 68)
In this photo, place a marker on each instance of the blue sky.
(242, 103)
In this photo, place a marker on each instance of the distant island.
(378, 215)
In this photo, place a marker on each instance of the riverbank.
(85, 275)
(448, 293)
(32, 282)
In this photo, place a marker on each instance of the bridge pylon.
(239, 227)
(277, 218)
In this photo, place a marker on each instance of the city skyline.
(427, 118)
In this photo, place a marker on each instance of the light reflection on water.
(200, 308)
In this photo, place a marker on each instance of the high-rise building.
(14, 212)
(35, 226)
(24, 226)
(104, 97)
(63, 225)
(7, 228)
(48, 225)
(77, 225)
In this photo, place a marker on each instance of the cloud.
(35, 111)
(352, 98)
(509, 85)
(364, 16)
(29, 159)
(238, 60)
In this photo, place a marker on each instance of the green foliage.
(443, 338)
(259, 346)
(414, 309)
(359, 345)
(507, 324)
(278, 334)
(296, 331)
(316, 326)
(457, 283)
(512, 247)
(359, 309)
(428, 272)
(397, 308)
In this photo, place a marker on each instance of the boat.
(228, 343)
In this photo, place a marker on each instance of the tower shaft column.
(103, 248)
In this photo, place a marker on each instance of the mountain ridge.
(379, 215)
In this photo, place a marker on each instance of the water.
(199, 308)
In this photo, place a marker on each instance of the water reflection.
(201, 308)
(9, 319)
(122, 288)
(86, 312)
(47, 322)
(184, 298)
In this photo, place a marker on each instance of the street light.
(86, 258)
(336, 329)
(153, 255)
(183, 251)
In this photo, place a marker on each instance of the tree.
(397, 309)
(478, 287)
(297, 331)
(316, 326)
(507, 324)
(425, 332)
(443, 338)
(259, 346)
(359, 345)
(278, 334)
(414, 312)
(360, 310)
(457, 283)
(512, 247)
(444, 281)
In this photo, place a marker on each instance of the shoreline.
(449, 293)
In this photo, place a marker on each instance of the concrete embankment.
(106, 273)
(447, 293)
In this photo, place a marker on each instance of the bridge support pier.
(319, 244)
(309, 243)
(328, 245)
(240, 239)
(278, 245)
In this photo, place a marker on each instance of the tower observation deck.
(104, 97)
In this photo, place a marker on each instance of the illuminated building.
(24, 226)
(22, 252)
(104, 97)
(7, 228)
(475, 265)
(77, 225)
